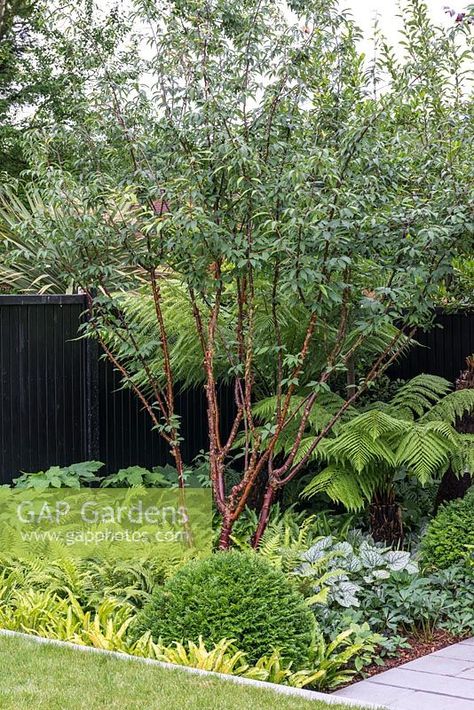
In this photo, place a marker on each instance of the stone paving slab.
(385, 695)
(438, 684)
(417, 701)
(462, 651)
(443, 680)
(438, 665)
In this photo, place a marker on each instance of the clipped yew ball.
(237, 596)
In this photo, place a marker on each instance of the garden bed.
(418, 649)
(347, 607)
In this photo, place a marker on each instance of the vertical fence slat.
(443, 350)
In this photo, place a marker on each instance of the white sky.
(364, 12)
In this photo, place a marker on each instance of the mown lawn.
(38, 676)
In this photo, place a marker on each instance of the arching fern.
(414, 431)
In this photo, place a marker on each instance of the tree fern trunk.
(452, 486)
(385, 516)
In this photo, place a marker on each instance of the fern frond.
(462, 461)
(323, 410)
(418, 395)
(265, 409)
(332, 402)
(358, 449)
(345, 486)
(426, 448)
(376, 424)
(319, 418)
(453, 405)
(378, 341)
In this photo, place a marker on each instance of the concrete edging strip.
(284, 689)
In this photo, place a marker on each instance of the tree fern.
(376, 424)
(319, 452)
(342, 485)
(414, 431)
(360, 448)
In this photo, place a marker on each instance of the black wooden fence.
(42, 385)
(442, 350)
(60, 403)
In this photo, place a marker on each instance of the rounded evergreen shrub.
(235, 596)
(448, 534)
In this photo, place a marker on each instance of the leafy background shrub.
(73, 476)
(237, 596)
(449, 534)
(84, 473)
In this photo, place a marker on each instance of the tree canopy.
(245, 163)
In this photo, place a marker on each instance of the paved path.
(440, 681)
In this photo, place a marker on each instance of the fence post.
(92, 399)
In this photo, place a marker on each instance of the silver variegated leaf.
(345, 594)
(378, 574)
(397, 560)
(370, 557)
(317, 551)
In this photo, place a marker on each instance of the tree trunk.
(385, 516)
(453, 486)
(226, 531)
(264, 516)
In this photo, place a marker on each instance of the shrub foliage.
(450, 533)
(236, 596)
